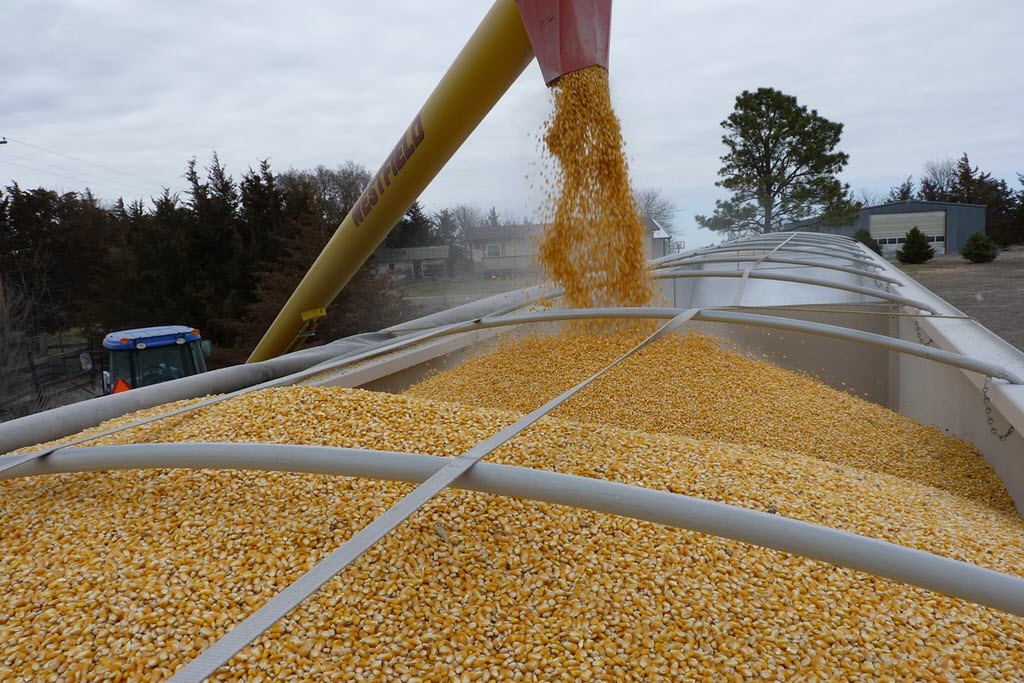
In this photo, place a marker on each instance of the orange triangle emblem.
(119, 386)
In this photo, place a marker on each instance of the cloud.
(143, 88)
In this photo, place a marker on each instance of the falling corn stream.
(593, 244)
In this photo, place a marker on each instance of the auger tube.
(570, 35)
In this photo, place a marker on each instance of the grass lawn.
(466, 286)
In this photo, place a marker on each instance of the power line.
(86, 161)
(75, 171)
(76, 179)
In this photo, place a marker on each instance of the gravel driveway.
(993, 293)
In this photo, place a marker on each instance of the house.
(513, 248)
(947, 225)
(504, 248)
(413, 263)
(659, 242)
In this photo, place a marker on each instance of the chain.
(988, 415)
(920, 337)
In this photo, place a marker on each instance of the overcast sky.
(141, 87)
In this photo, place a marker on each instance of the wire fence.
(37, 374)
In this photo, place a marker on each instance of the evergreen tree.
(903, 192)
(448, 230)
(493, 219)
(864, 237)
(916, 249)
(87, 228)
(971, 186)
(217, 290)
(780, 165)
(170, 287)
(262, 214)
(118, 297)
(368, 302)
(1017, 232)
(979, 248)
(414, 229)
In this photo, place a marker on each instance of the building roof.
(655, 228)
(502, 233)
(908, 205)
(411, 254)
(926, 203)
(803, 223)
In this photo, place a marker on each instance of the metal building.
(946, 224)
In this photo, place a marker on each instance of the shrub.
(979, 248)
(916, 249)
(864, 237)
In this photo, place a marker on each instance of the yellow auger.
(567, 35)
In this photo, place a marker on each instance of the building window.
(492, 251)
(433, 269)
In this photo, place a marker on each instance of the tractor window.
(197, 356)
(162, 364)
(120, 366)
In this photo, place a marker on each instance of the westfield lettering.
(391, 168)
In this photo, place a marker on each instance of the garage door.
(890, 229)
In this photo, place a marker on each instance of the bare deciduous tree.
(654, 205)
(16, 316)
(337, 189)
(467, 216)
(868, 197)
(938, 179)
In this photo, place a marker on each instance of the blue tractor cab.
(151, 355)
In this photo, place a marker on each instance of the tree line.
(224, 256)
(955, 180)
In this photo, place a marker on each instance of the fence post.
(35, 377)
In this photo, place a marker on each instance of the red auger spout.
(567, 35)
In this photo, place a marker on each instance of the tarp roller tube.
(881, 558)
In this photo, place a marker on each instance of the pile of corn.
(593, 243)
(692, 386)
(128, 575)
